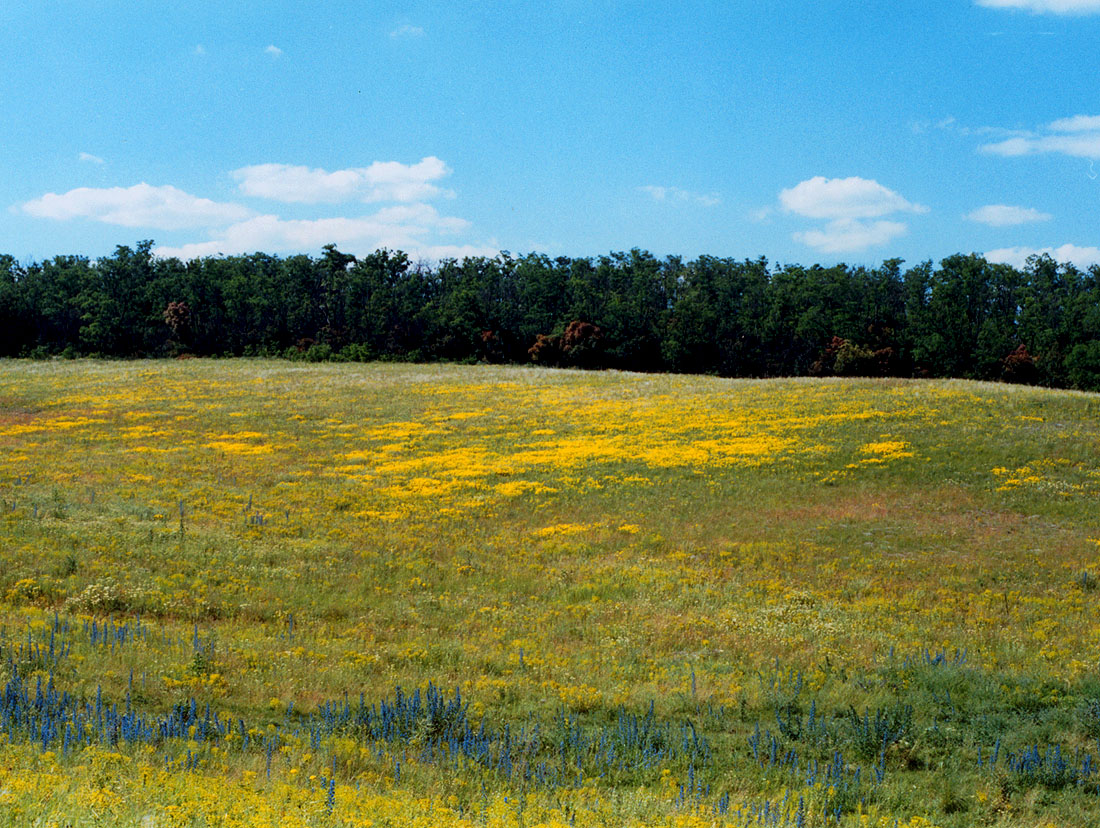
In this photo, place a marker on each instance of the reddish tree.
(580, 343)
(177, 316)
(1019, 366)
(546, 350)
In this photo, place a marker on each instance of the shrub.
(581, 343)
(546, 350)
(1019, 367)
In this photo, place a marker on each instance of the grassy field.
(258, 593)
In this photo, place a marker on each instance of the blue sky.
(803, 132)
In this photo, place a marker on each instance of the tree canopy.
(966, 317)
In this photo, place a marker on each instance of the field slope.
(259, 593)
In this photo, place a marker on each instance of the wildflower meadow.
(247, 592)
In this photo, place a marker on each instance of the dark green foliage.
(1083, 366)
(967, 318)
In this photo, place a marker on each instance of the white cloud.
(200, 50)
(1003, 215)
(405, 30)
(848, 204)
(1046, 6)
(1011, 147)
(1084, 145)
(1078, 123)
(847, 235)
(161, 208)
(1078, 136)
(407, 223)
(274, 51)
(412, 228)
(675, 194)
(91, 159)
(381, 181)
(844, 198)
(1082, 257)
(951, 125)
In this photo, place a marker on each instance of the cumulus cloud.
(851, 235)
(1077, 136)
(844, 198)
(1082, 257)
(381, 181)
(143, 205)
(91, 159)
(408, 227)
(676, 195)
(1003, 215)
(274, 51)
(407, 222)
(1046, 6)
(849, 204)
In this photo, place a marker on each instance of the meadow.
(248, 592)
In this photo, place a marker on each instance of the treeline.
(965, 318)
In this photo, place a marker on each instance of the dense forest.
(965, 318)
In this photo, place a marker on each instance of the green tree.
(15, 315)
(714, 324)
